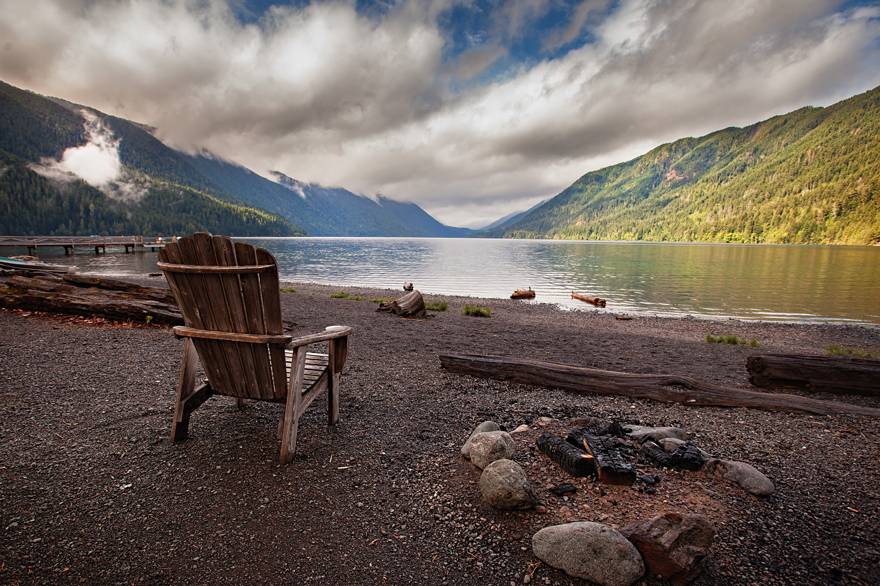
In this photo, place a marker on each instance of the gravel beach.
(93, 491)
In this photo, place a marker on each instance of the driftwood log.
(410, 305)
(597, 301)
(659, 387)
(523, 294)
(92, 296)
(156, 293)
(816, 373)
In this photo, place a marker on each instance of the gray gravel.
(93, 491)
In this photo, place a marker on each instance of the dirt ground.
(92, 490)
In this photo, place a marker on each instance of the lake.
(766, 282)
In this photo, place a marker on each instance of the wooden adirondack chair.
(228, 295)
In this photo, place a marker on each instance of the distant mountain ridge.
(201, 191)
(810, 176)
(358, 215)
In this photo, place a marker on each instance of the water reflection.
(801, 283)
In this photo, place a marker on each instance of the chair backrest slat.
(253, 305)
(230, 301)
(184, 290)
(224, 256)
(271, 296)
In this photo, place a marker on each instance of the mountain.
(510, 219)
(201, 190)
(39, 194)
(810, 176)
(358, 215)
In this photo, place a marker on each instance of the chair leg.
(185, 386)
(292, 406)
(333, 399)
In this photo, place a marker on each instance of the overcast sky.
(472, 109)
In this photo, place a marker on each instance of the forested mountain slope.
(810, 176)
(154, 192)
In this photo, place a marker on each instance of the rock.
(563, 489)
(672, 545)
(488, 446)
(520, 428)
(485, 426)
(504, 485)
(592, 551)
(641, 433)
(745, 475)
(544, 421)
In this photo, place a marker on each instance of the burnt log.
(611, 457)
(54, 294)
(410, 305)
(570, 458)
(827, 374)
(686, 457)
(658, 387)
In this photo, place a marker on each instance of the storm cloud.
(379, 103)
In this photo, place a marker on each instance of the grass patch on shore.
(287, 290)
(347, 296)
(437, 306)
(381, 300)
(732, 340)
(477, 311)
(852, 352)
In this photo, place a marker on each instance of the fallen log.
(156, 293)
(410, 305)
(815, 373)
(55, 294)
(407, 286)
(597, 301)
(658, 387)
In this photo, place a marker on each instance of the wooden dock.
(71, 243)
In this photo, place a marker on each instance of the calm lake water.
(789, 283)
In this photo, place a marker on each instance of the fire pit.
(608, 452)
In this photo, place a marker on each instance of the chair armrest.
(329, 333)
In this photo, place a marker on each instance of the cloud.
(329, 95)
(474, 61)
(564, 36)
(96, 162)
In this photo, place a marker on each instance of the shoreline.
(379, 291)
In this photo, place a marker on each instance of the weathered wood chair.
(228, 295)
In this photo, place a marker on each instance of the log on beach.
(597, 301)
(523, 294)
(156, 293)
(658, 387)
(815, 373)
(90, 296)
(410, 305)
